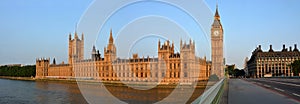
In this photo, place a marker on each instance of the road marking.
(279, 89)
(290, 84)
(266, 85)
(296, 94)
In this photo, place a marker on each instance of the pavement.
(244, 92)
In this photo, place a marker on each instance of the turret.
(70, 36)
(165, 50)
(76, 48)
(158, 44)
(82, 36)
(172, 45)
(94, 53)
(111, 39)
(42, 66)
(54, 62)
(76, 36)
(110, 51)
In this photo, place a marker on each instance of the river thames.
(62, 92)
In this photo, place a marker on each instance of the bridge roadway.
(288, 87)
(264, 91)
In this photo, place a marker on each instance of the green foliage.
(238, 72)
(16, 71)
(296, 67)
(229, 70)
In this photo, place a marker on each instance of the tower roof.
(217, 22)
(111, 39)
(217, 16)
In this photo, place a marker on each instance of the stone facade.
(272, 63)
(217, 46)
(168, 67)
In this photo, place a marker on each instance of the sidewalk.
(243, 92)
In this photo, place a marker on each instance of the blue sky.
(32, 28)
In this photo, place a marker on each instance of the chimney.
(271, 49)
(296, 49)
(259, 47)
(283, 48)
(291, 49)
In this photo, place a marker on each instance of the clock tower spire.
(217, 46)
(217, 16)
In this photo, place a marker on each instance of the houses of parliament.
(168, 67)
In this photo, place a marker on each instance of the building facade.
(217, 46)
(168, 67)
(272, 63)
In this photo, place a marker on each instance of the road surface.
(249, 92)
(288, 87)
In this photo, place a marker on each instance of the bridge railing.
(211, 95)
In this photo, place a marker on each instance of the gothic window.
(185, 65)
(174, 66)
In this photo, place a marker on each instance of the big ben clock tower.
(217, 46)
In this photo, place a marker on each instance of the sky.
(33, 29)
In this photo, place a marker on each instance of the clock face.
(216, 33)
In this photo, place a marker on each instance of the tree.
(295, 66)
(230, 70)
(238, 73)
(17, 71)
